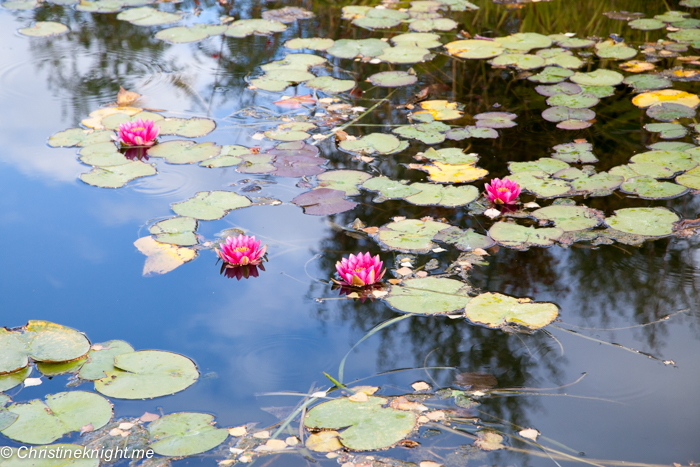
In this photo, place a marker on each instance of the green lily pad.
(600, 77)
(374, 143)
(112, 122)
(175, 231)
(64, 455)
(545, 164)
(210, 205)
(349, 48)
(524, 41)
(675, 161)
(574, 153)
(435, 24)
(43, 423)
(288, 14)
(495, 120)
(392, 79)
(101, 359)
(551, 74)
(417, 39)
(464, 240)
(330, 85)
(147, 374)
(691, 179)
(9, 381)
(685, 35)
(649, 222)
(429, 296)
(259, 27)
(598, 91)
(474, 49)
(671, 16)
(428, 133)
(41, 341)
(438, 195)
(389, 189)
(147, 16)
(409, 235)
(576, 101)
(564, 60)
(667, 130)
(646, 24)
(496, 310)
(194, 127)
(519, 61)
(79, 137)
(100, 6)
(643, 83)
(102, 155)
(450, 156)
(256, 164)
(343, 180)
(185, 434)
(690, 3)
(671, 146)
(323, 201)
(55, 369)
(375, 18)
(562, 114)
(569, 218)
(20, 5)
(353, 11)
(669, 111)
(295, 62)
(119, 175)
(184, 152)
(650, 188)
(44, 29)
(370, 425)
(571, 42)
(229, 156)
(600, 184)
(538, 183)
(292, 131)
(312, 43)
(404, 54)
(469, 131)
(614, 50)
(521, 238)
(194, 33)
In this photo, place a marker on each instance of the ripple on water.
(168, 183)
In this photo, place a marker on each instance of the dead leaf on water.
(237, 431)
(162, 257)
(125, 97)
(489, 441)
(325, 441)
(420, 386)
(445, 173)
(529, 433)
(149, 417)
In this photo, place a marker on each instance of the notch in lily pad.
(210, 205)
(496, 310)
(429, 296)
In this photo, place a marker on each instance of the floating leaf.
(685, 35)
(614, 50)
(162, 258)
(101, 359)
(55, 369)
(474, 49)
(436, 24)
(259, 27)
(538, 183)
(147, 16)
(667, 130)
(9, 381)
(343, 180)
(669, 111)
(524, 41)
(184, 152)
(96, 116)
(521, 238)
(671, 146)
(374, 143)
(649, 188)
(545, 164)
(389, 189)
(349, 48)
(496, 310)
(112, 122)
(598, 77)
(439, 110)
(323, 201)
(146, 374)
(100, 6)
(43, 423)
(691, 179)
(194, 33)
(409, 235)
(295, 159)
(376, 18)
(229, 156)
(313, 43)
(185, 434)
(647, 82)
(600, 184)
(292, 131)
(194, 127)
(459, 134)
(671, 16)
(576, 101)
(428, 133)
(571, 42)
(44, 29)
(20, 5)
(175, 231)
(288, 14)
(519, 61)
(210, 205)
(551, 74)
(650, 222)
(119, 175)
(574, 124)
(445, 173)
(370, 425)
(438, 195)
(674, 161)
(637, 66)
(451, 156)
(569, 218)
(646, 24)
(598, 91)
(417, 39)
(575, 153)
(404, 54)
(330, 85)
(647, 99)
(79, 137)
(562, 114)
(464, 240)
(429, 296)
(392, 79)
(102, 155)
(495, 120)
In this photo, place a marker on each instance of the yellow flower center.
(241, 249)
(140, 128)
(502, 189)
(360, 269)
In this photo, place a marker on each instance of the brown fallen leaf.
(115, 432)
(149, 417)
(359, 397)
(340, 135)
(237, 431)
(87, 428)
(420, 386)
(295, 102)
(125, 97)
(407, 443)
(404, 271)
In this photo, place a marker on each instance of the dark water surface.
(68, 253)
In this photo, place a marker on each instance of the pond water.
(627, 319)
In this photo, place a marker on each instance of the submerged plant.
(360, 270)
(241, 251)
(138, 133)
(502, 191)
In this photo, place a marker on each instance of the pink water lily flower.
(241, 251)
(139, 133)
(502, 191)
(360, 270)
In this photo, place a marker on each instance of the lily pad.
(446, 173)
(403, 54)
(600, 77)
(194, 127)
(55, 369)
(576, 101)
(669, 111)
(210, 205)
(575, 153)
(194, 33)
(313, 43)
(614, 50)
(495, 120)
(428, 133)
(101, 359)
(474, 49)
(519, 61)
(560, 88)
(409, 235)
(417, 39)
(685, 35)
(469, 131)
(330, 85)
(691, 179)
(600, 184)
(79, 137)
(112, 122)
(674, 161)
(650, 188)
(288, 14)
(343, 180)
(539, 183)
(646, 24)
(349, 48)
(389, 189)
(449, 156)
(20, 5)
(295, 159)
(184, 152)
(574, 124)
(370, 425)
(545, 164)
(438, 195)
(119, 175)
(185, 434)
(323, 201)
(436, 24)
(175, 231)
(496, 310)
(649, 222)
(521, 238)
(146, 374)
(429, 296)
(648, 99)
(392, 79)
(667, 130)
(571, 42)
(292, 131)
(562, 114)
(374, 143)
(9, 381)
(438, 110)
(229, 156)
(464, 240)
(569, 218)
(524, 41)
(259, 27)
(100, 6)
(643, 83)
(44, 29)
(551, 74)
(42, 423)
(376, 18)
(147, 16)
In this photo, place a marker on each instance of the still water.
(68, 254)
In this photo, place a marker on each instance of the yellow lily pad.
(440, 110)
(162, 257)
(648, 99)
(445, 173)
(96, 116)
